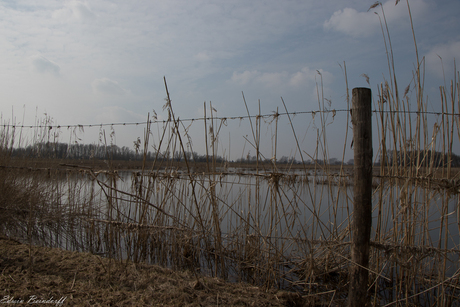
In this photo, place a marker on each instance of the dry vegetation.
(82, 279)
(269, 226)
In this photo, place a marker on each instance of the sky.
(93, 62)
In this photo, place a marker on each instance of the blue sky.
(90, 62)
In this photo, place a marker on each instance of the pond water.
(252, 226)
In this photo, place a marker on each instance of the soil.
(42, 276)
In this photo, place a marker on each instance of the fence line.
(273, 115)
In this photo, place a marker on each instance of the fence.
(272, 224)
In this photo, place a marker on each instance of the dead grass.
(84, 279)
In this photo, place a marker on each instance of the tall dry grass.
(273, 225)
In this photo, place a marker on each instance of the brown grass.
(83, 279)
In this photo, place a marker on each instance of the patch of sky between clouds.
(116, 114)
(17, 5)
(440, 59)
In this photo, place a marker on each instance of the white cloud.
(365, 23)
(74, 10)
(244, 77)
(107, 86)
(279, 79)
(303, 76)
(272, 79)
(352, 22)
(82, 10)
(447, 52)
(42, 65)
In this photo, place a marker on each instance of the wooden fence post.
(361, 118)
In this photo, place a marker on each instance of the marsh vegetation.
(277, 226)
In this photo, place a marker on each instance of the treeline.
(99, 152)
(113, 152)
(420, 158)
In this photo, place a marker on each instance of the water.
(280, 229)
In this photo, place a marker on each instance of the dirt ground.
(40, 276)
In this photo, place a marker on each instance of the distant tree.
(283, 160)
(333, 161)
(319, 161)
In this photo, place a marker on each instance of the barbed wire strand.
(274, 114)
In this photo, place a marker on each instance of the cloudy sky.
(92, 62)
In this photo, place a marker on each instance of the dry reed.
(275, 226)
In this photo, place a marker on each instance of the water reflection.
(261, 227)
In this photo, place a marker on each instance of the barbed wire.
(271, 115)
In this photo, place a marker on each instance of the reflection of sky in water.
(288, 213)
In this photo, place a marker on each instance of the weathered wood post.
(361, 118)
